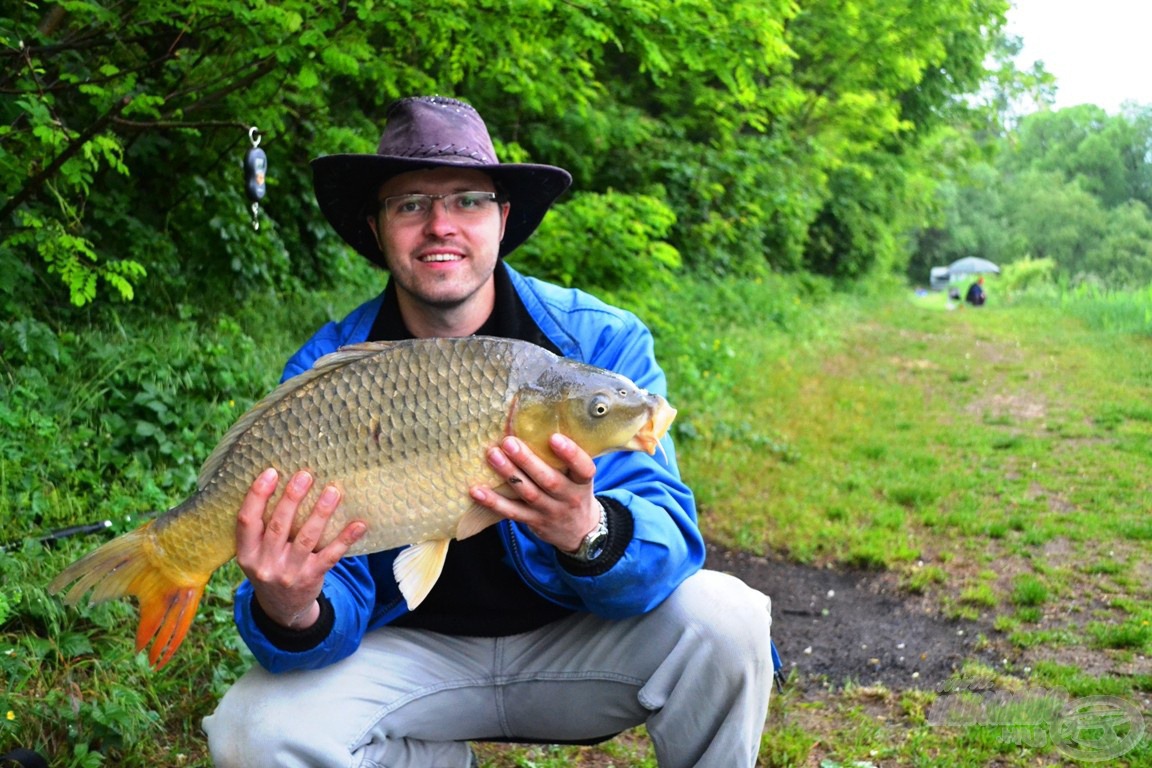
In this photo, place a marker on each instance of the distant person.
(976, 295)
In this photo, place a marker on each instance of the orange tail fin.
(128, 565)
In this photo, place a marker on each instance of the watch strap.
(593, 544)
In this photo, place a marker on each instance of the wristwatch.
(594, 542)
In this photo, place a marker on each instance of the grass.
(997, 460)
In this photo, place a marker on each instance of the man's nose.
(439, 219)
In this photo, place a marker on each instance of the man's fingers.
(280, 523)
(312, 530)
(340, 545)
(516, 464)
(581, 469)
(250, 520)
(523, 469)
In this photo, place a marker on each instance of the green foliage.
(1106, 156)
(871, 113)
(1122, 311)
(1135, 634)
(1069, 190)
(608, 242)
(1029, 591)
(133, 418)
(122, 142)
(1026, 274)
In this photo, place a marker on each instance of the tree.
(880, 78)
(125, 125)
(1106, 155)
(1124, 255)
(1054, 220)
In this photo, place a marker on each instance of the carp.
(402, 429)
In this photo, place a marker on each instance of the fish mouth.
(660, 417)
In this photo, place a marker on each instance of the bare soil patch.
(834, 626)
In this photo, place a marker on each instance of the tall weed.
(1100, 307)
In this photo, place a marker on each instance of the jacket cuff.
(295, 640)
(620, 529)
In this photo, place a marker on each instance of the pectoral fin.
(418, 567)
(476, 519)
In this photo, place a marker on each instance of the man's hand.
(287, 573)
(559, 505)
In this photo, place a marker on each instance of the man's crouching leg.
(710, 695)
(333, 716)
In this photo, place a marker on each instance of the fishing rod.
(87, 529)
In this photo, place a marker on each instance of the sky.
(1099, 50)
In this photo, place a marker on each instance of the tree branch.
(142, 125)
(75, 146)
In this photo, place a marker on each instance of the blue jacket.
(666, 547)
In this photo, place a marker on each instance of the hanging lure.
(255, 172)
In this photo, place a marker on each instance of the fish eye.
(598, 407)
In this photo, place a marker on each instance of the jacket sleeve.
(665, 545)
(351, 591)
(349, 586)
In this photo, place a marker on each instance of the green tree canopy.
(778, 134)
(1069, 187)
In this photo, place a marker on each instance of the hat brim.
(345, 184)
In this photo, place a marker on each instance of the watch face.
(596, 546)
(595, 541)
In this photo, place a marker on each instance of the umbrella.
(972, 266)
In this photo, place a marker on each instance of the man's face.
(443, 259)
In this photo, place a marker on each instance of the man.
(584, 613)
(975, 295)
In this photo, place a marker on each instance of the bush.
(1025, 275)
(612, 244)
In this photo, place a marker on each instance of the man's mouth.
(439, 257)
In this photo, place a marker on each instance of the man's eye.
(411, 205)
(470, 201)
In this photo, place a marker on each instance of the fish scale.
(402, 429)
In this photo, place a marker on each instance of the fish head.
(599, 410)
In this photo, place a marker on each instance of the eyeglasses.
(416, 208)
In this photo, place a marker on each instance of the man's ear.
(504, 210)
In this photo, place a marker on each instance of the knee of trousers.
(730, 619)
(252, 724)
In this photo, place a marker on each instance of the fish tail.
(128, 565)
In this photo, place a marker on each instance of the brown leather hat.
(430, 132)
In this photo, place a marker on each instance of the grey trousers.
(697, 671)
